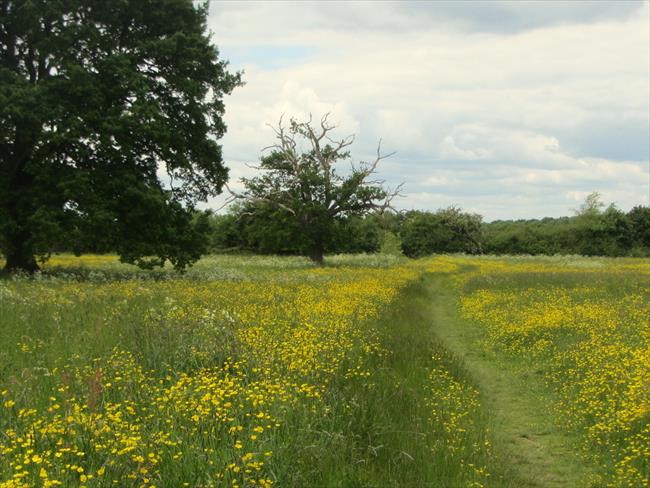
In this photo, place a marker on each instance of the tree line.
(592, 231)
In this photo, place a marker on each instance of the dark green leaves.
(97, 98)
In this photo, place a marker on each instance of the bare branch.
(278, 131)
(325, 127)
(315, 139)
(231, 199)
(372, 167)
(343, 143)
(391, 195)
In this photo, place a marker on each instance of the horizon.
(509, 110)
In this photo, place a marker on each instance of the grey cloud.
(614, 138)
(509, 17)
(491, 16)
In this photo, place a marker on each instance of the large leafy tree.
(97, 100)
(304, 186)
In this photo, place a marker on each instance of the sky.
(507, 109)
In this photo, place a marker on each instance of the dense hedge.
(593, 232)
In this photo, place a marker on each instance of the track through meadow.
(525, 437)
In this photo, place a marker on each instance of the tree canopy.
(98, 100)
(446, 231)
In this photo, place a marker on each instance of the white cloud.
(522, 148)
(474, 105)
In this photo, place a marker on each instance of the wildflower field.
(266, 371)
(584, 327)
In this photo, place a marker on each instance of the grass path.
(380, 436)
(538, 452)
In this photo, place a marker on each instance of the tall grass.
(260, 371)
(585, 328)
(242, 372)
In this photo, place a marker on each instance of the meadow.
(268, 371)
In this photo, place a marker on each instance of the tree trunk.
(19, 255)
(16, 202)
(316, 253)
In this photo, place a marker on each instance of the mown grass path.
(537, 452)
(379, 434)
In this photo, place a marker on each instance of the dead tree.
(305, 184)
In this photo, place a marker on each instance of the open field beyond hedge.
(379, 371)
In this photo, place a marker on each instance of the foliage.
(639, 218)
(390, 243)
(266, 230)
(96, 99)
(592, 205)
(592, 232)
(200, 380)
(608, 232)
(445, 231)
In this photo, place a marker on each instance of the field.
(379, 371)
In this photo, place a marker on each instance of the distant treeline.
(608, 233)
(592, 231)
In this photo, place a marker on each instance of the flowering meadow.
(112, 376)
(266, 371)
(584, 325)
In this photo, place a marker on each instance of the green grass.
(538, 452)
(60, 331)
(577, 338)
(379, 434)
(445, 402)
